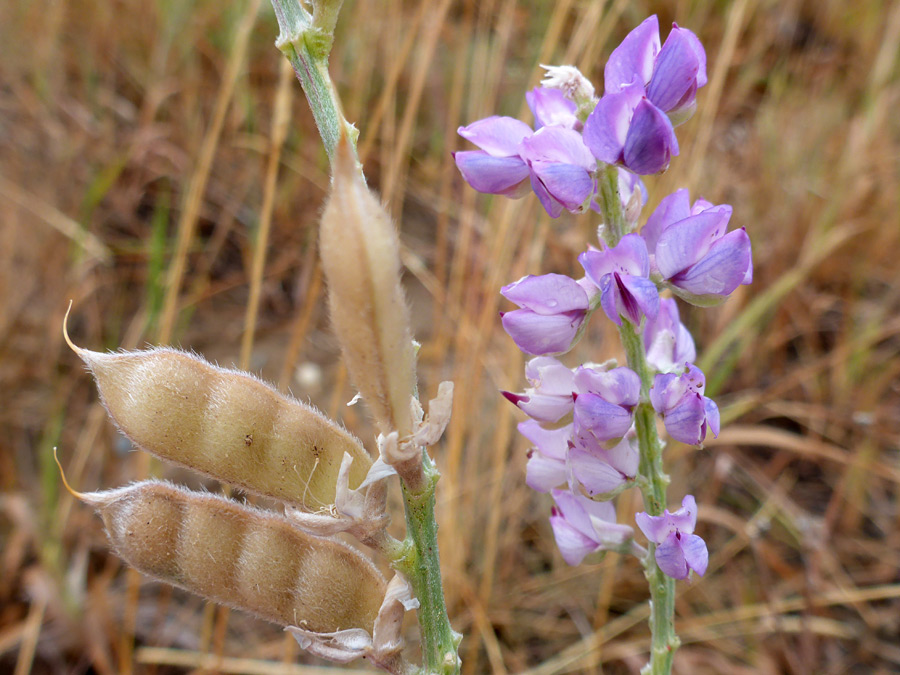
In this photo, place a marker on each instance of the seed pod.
(361, 261)
(226, 424)
(241, 556)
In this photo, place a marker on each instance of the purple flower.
(692, 251)
(648, 90)
(621, 273)
(560, 166)
(668, 343)
(686, 412)
(554, 159)
(546, 468)
(671, 75)
(582, 526)
(626, 128)
(550, 107)
(553, 310)
(678, 549)
(604, 404)
(497, 168)
(602, 472)
(549, 398)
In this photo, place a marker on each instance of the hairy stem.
(664, 641)
(307, 44)
(421, 565)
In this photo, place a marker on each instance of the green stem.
(422, 566)
(307, 45)
(653, 481)
(613, 215)
(664, 641)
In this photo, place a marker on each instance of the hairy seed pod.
(240, 556)
(226, 424)
(361, 261)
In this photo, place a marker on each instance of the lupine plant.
(594, 427)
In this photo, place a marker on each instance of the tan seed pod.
(361, 261)
(226, 424)
(240, 556)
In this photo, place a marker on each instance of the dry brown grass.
(113, 174)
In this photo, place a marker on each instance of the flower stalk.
(378, 351)
(654, 480)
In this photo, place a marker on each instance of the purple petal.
(601, 419)
(685, 420)
(651, 142)
(628, 183)
(543, 474)
(630, 255)
(697, 46)
(549, 409)
(702, 205)
(684, 519)
(712, 415)
(668, 342)
(567, 184)
(621, 386)
(721, 270)
(547, 293)
(553, 208)
(606, 128)
(541, 334)
(670, 558)
(633, 57)
(558, 145)
(610, 299)
(748, 275)
(492, 175)
(596, 265)
(573, 544)
(574, 509)
(674, 207)
(551, 443)
(550, 106)
(641, 298)
(695, 554)
(550, 376)
(655, 528)
(685, 242)
(596, 476)
(625, 456)
(667, 389)
(497, 136)
(675, 71)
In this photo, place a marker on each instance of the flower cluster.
(583, 422)
(648, 90)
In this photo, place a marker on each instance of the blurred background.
(160, 167)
